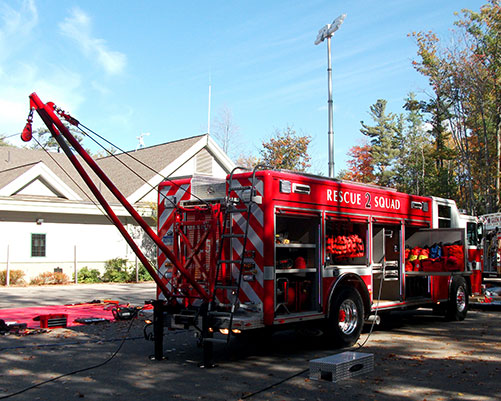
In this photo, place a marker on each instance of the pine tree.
(385, 136)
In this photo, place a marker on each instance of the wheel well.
(354, 281)
(467, 280)
(468, 285)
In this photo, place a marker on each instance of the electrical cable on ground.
(67, 344)
(360, 346)
(75, 371)
(274, 385)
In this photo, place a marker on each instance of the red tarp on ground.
(87, 310)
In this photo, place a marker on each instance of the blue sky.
(124, 68)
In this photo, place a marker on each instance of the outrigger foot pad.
(154, 358)
(203, 365)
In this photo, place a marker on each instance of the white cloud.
(58, 85)
(16, 27)
(78, 26)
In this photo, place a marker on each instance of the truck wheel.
(457, 307)
(346, 317)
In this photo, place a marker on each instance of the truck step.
(215, 340)
(220, 314)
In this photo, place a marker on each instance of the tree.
(286, 150)
(45, 140)
(360, 166)
(414, 165)
(225, 131)
(465, 108)
(385, 136)
(105, 152)
(479, 68)
(248, 162)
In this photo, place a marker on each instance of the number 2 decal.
(368, 198)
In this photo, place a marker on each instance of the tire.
(457, 307)
(346, 317)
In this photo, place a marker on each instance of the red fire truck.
(271, 249)
(299, 249)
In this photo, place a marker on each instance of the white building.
(49, 218)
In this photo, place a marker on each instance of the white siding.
(95, 243)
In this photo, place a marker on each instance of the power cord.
(274, 385)
(360, 346)
(75, 371)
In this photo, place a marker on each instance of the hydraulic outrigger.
(49, 113)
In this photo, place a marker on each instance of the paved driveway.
(417, 357)
(19, 297)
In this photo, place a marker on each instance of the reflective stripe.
(251, 289)
(237, 247)
(252, 236)
(181, 193)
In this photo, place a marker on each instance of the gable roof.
(16, 162)
(133, 176)
(175, 160)
(39, 175)
(145, 163)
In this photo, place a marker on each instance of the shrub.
(16, 277)
(143, 274)
(60, 278)
(50, 278)
(86, 275)
(117, 271)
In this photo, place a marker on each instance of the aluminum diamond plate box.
(341, 366)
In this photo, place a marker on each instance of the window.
(38, 245)
(346, 242)
(444, 216)
(472, 234)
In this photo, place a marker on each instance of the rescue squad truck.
(299, 248)
(270, 249)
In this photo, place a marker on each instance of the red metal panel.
(352, 198)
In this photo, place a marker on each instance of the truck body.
(303, 249)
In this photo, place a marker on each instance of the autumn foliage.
(286, 150)
(360, 165)
(447, 144)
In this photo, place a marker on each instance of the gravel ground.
(417, 357)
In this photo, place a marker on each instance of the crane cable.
(84, 130)
(96, 204)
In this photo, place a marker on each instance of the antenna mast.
(208, 113)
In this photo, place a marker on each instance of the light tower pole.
(326, 32)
